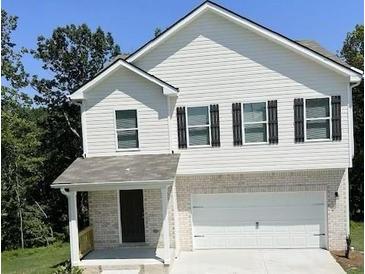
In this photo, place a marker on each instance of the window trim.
(320, 118)
(248, 123)
(188, 127)
(128, 129)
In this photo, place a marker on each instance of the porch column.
(165, 225)
(73, 227)
(176, 220)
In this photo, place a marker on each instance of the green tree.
(23, 223)
(12, 68)
(353, 53)
(157, 31)
(73, 55)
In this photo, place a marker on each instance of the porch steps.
(127, 269)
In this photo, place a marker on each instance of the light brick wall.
(103, 213)
(334, 180)
(104, 217)
(153, 217)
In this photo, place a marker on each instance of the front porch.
(114, 237)
(126, 256)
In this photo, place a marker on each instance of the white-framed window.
(255, 125)
(318, 119)
(126, 129)
(198, 125)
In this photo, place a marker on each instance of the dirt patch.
(356, 259)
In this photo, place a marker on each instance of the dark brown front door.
(131, 208)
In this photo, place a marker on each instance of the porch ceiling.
(117, 171)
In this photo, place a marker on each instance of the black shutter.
(273, 122)
(181, 127)
(336, 118)
(299, 120)
(237, 124)
(214, 125)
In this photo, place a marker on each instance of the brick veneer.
(331, 180)
(104, 217)
(104, 204)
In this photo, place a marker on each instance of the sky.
(132, 23)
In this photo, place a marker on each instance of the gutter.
(149, 184)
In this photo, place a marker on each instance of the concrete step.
(127, 269)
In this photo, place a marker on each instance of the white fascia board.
(255, 28)
(79, 94)
(152, 184)
(357, 70)
(167, 89)
(166, 34)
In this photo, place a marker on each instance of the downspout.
(352, 151)
(64, 192)
(350, 113)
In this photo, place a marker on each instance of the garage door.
(259, 220)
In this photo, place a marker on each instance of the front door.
(131, 208)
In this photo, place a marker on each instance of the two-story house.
(218, 133)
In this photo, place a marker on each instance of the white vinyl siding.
(125, 90)
(318, 119)
(198, 126)
(214, 61)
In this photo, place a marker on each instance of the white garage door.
(259, 220)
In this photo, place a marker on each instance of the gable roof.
(309, 50)
(116, 63)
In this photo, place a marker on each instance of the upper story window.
(126, 129)
(255, 122)
(198, 122)
(317, 119)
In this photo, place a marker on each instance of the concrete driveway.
(267, 261)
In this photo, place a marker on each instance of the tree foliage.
(73, 55)
(353, 53)
(157, 32)
(12, 68)
(41, 137)
(23, 223)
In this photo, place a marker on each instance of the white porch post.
(176, 221)
(73, 227)
(165, 224)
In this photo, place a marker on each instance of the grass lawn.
(41, 260)
(357, 241)
(357, 235)
(354, 265)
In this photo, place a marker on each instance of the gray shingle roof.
(157, 167)
(315, 46)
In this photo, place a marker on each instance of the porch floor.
(125, 256)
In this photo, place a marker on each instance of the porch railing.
(86, 241)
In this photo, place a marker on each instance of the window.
(126, 129)
(318, 119)
(198, 126)
(255, 122)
